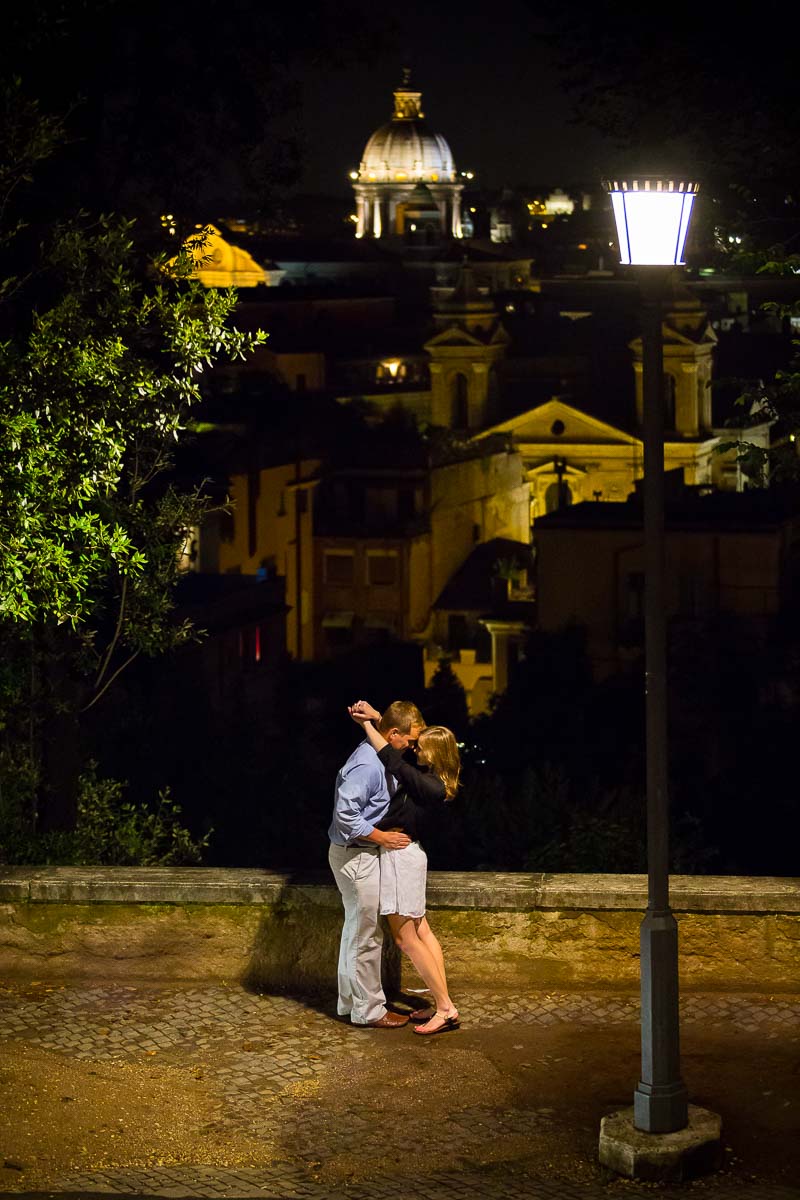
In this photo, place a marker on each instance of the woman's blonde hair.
(437, 749)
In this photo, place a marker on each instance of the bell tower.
(464, 356)
(689, 343)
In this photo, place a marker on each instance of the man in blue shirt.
(362, 797)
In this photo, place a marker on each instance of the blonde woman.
(420, 791)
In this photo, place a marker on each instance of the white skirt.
(403, 876)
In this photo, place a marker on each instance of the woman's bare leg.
(440, 1017)
(405, 933)
(429, 938)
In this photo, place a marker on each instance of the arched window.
(460, 401)
(558, 495)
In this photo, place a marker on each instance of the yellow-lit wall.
(473, 502)
(610, 470)
(468, 502)
(362, 598)
(476, 678)
(276, 525)
(420, 590)
(300, 372)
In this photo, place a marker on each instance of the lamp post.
(652, 217)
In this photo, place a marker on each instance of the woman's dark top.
(418, 790)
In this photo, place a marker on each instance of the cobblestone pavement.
(260, 1048)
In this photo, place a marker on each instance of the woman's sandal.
(448, 1024)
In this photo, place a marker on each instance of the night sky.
(488, 86)
(225, 106)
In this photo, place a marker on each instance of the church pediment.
(557, 423)
(550, 467)
(672, 336)
(456, 336)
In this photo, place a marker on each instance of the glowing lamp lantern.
(652, 217)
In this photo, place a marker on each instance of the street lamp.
(652, 217)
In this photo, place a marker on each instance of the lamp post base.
(661, 1109)
(660, 1102)
(661, 1157)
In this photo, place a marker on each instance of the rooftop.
(693, 509)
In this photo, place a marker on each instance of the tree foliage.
(103, 352)
(109, 831)
(93, 394)
(775, 400)
(446, 701)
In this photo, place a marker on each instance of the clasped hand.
(361, 712)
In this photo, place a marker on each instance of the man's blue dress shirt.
(361, 797)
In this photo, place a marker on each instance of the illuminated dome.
(406, 184)
(406, 148)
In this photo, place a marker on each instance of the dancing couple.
(382, 806)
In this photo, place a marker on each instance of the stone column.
(687, 414)
(456, 221)
(439, 414)
(639, 381)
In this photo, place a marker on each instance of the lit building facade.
(571, 456)
(406, 184)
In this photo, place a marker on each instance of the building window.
(379, 629)
(382, 569)
(381, 505)
(252, 645)
(407, 503)
(460, 402)
(340, 567)
(558, 495)
(337, 628)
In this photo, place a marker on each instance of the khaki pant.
(356, 870)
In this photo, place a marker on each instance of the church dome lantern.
(399, 156)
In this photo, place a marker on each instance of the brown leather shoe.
(389, 1020)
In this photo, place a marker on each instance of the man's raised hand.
(364, 711)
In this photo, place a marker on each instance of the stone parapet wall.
(277, 931)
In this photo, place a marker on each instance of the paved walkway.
(213, 1091)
